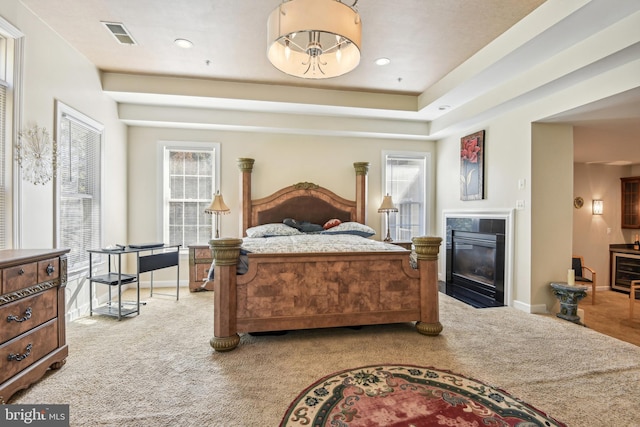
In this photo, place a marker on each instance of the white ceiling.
(424, 39)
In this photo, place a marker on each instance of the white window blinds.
(188, 192)
(3, 187)
(405, 177)
(79, 209)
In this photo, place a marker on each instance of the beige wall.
(551, 209)
(281, 160)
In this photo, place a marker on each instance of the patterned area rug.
(408, 396)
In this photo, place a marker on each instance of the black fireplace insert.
(475, 267)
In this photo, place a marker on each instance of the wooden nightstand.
(407, 244)
(200, 259)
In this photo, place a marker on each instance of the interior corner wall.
(55, 71)
(514, 150)
(507, 162)
(551, 208)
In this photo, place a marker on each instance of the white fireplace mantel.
(508, 216)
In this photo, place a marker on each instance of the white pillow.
(270, 230)
(351, 228)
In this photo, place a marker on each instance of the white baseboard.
(528, 308)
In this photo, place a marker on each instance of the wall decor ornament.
(472, 166)
(37, 155)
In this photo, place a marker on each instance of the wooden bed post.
(362, 168)
(246, 167)
(225, 331)
(427, 249)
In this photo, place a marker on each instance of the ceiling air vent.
(119, 32)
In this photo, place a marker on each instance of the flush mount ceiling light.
(314, 39)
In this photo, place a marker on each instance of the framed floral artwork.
(472, 166)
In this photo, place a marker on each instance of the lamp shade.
(314, 39)
(217, 205)
(387, 205)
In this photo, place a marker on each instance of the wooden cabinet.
(32, 306)
(407, 244)
(200, 259)
(630, 202)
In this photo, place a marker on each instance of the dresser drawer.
(27, 313)
(19, 277)
(48, 270)
(27, 349)
(202, 272)
(202, 255)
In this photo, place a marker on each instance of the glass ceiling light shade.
(314, 39)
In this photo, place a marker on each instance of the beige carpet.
(157, 369)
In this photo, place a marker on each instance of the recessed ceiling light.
(444, 107)
(183, 43)
(382, 61)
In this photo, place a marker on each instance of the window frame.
(425, 157)
(163, 180)
(62, 110)
(12, 75)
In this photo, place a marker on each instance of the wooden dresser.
(200, 259)
(32, 312)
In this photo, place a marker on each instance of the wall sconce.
(217, 208)
(598, 207)
(386, 207)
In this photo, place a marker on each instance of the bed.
(289, 291)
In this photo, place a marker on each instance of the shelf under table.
(114, 278)
(112, 310)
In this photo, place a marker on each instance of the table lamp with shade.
(386, 207)
(217, 208)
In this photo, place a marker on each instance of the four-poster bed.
(288, 291)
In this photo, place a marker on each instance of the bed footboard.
(302, 291)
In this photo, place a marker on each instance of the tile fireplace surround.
(505, 215)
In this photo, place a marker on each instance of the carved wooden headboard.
(304, 201)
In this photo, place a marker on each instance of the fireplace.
(475, 261)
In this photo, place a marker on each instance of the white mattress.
(315, 243)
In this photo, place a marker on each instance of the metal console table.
(160, 256)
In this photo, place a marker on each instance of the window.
(3, 165)
(11, 41)
(405, 179)
(190, 175)
(78, 185)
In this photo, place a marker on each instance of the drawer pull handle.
(50, 269)
(27, 316)
(21, 271)
(19, 357)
